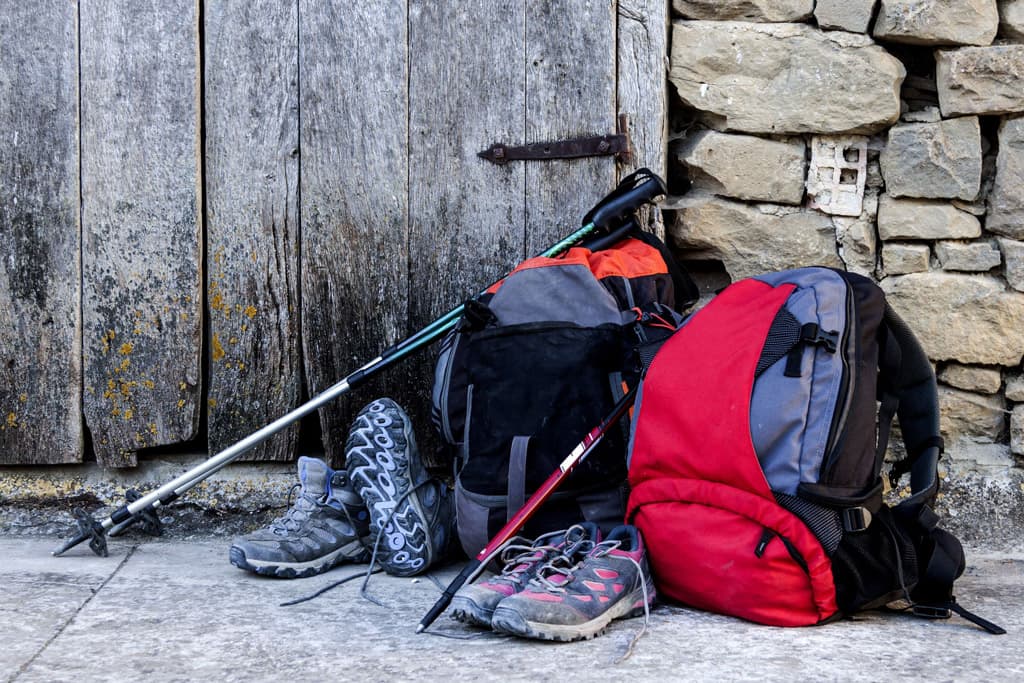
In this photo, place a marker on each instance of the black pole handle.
(635, 190)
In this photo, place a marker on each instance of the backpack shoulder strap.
(907, 388)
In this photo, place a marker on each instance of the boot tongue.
(314, 475)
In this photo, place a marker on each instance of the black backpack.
(534, 364)
(758, 447)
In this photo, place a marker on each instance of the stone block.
(745, 10)
(980, 80)
(933, 160)
(971, 378)
(971, 319)
(1017, 430)
(968, 257)
(937, 22)
(1013, 262)
(751, 239)
(858, 244)
(784, 78)
(845, 15)
(900, 259)
(838, 174)
(966, 414)
(746, 167)
(1015, 388)
(920, 219)
(1006, 200)
(1011, 19)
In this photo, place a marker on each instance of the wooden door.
(272, 192)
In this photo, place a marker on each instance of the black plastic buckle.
(811, 333)
(932, 612)
(855, 519)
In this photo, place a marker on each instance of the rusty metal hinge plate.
(592, 146)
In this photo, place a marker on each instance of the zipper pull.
(766, 537)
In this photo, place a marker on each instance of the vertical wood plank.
(140, 220)
(570, 92)
(354, 137)
(466, 92)
(40, 334)
(642, 87)
(252, 232)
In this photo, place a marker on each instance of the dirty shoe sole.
(298, 570)
(509, 620)
(381, 460)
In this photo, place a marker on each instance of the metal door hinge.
(592, 146)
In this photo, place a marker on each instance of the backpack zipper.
(766, 537)
(835, 431)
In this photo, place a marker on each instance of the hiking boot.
(475, 603)
(328, 524)
(413, 513)
(577, 600)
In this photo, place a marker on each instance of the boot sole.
(383, 429)
(507, 620)
(297, 570)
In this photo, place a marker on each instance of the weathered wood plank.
(40, 335)
(466, 92)
(642, 89)
(354, 139)
(252, 231)
(570, 92)
(140, 220)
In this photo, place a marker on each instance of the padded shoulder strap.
(907, 386)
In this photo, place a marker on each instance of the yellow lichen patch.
(232, 340)
(129, 413)
(105, 340)
(212, 402)
(123, 365)
(115, 412)
(148, 383)
(125, 349)
(181, 403)
(152, 428)
(22, 397)
(251, 312)
(216, 300)
(182, 386)
(218, 350)
(12, 419)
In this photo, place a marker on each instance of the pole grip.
(620, 205)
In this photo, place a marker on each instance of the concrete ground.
(175, 610)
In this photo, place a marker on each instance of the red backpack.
(757, 450)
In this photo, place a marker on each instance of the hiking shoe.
(412, 514)
(575, 601)
(328, 524)
(475, 603)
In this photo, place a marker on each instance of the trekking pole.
(639, 188)
(512, 527)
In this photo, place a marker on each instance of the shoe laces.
(298, 512)
(560, 570)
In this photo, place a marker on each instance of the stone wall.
(885, 137)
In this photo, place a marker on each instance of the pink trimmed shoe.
(475, 603)
(576, 600)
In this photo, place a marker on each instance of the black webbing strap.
(943, 563)
(515, 496)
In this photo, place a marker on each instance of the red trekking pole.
(578, 455)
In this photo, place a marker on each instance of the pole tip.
(420, 628)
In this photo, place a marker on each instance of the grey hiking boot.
(327, 525)
(413, 514)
